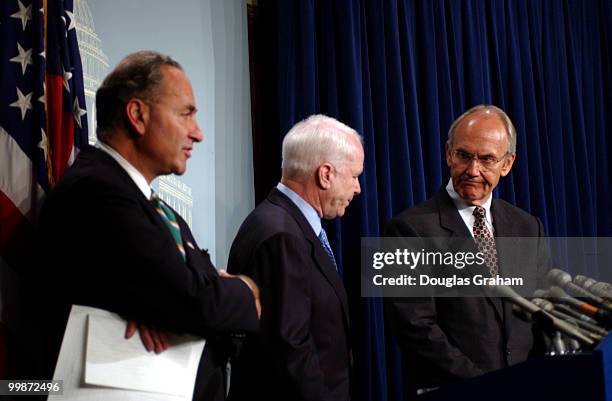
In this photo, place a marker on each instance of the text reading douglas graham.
(411, 260)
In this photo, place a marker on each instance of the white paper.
(96, 363)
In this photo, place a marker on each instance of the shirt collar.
(307, 210)
(135, 175)
(463, 207)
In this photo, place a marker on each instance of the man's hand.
(153, 339)
(250, 283)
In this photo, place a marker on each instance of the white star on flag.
(72, 24)
(65, 30)
(78, 112)
(67, 78)
(43, 144)
(24, 14)
(24, 58)
(43, 98)
(23, 102)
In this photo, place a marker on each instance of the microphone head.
(558, 277)
(556, 292)
(543, 304)
(584, 282)
(540, 293)
(602, 288)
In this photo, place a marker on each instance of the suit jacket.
(303, 351)
(103, 245)
(446, 339)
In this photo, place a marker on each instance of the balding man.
(303, 352)
(447, 339)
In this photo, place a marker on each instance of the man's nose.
(197, 134)
(473, 168)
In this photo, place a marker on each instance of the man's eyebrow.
(479, 154)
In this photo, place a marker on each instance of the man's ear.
(325, 173)
(137, 113)
(449, 157)
(507, 166)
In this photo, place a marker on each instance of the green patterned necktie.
(168, 217)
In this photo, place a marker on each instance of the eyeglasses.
(486, 162)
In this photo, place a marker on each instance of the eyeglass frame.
(487, 162)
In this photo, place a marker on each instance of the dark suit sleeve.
(109, 251)
(414, 323)
(282, 263)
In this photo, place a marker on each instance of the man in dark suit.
(303, 351)
(447, 339)
(113, 247)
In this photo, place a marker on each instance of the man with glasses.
(447, 339)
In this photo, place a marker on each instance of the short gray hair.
(138, 75)
(314, 141)
(510, 130)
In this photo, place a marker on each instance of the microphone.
(575, 314)
(605, 289)
(574, 346)
(544, 317)
(585, 326)
(564, 308)
(600, 315)
(558, 344)
(595, 334)
(561, 296)
(600, 289)
(543, 304)
(583, 281)
(564, 280)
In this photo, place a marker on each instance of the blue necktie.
(327, 247)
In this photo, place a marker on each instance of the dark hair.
(137, 76)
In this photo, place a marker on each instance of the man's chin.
(469, 194)
(331, 216)
(180, 170)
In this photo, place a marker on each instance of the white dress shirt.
(135, 175)
(467, 211)
(307, 210)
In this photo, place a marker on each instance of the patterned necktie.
(168, 217)
(485, 241)
(327, 247)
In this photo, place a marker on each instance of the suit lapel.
(195, 259)
(104, 161)
(505, 228)
(502, 225)
(450, 218)
(320, 257)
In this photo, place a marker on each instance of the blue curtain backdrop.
(399, 72)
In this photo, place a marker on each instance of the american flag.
(42, 122)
